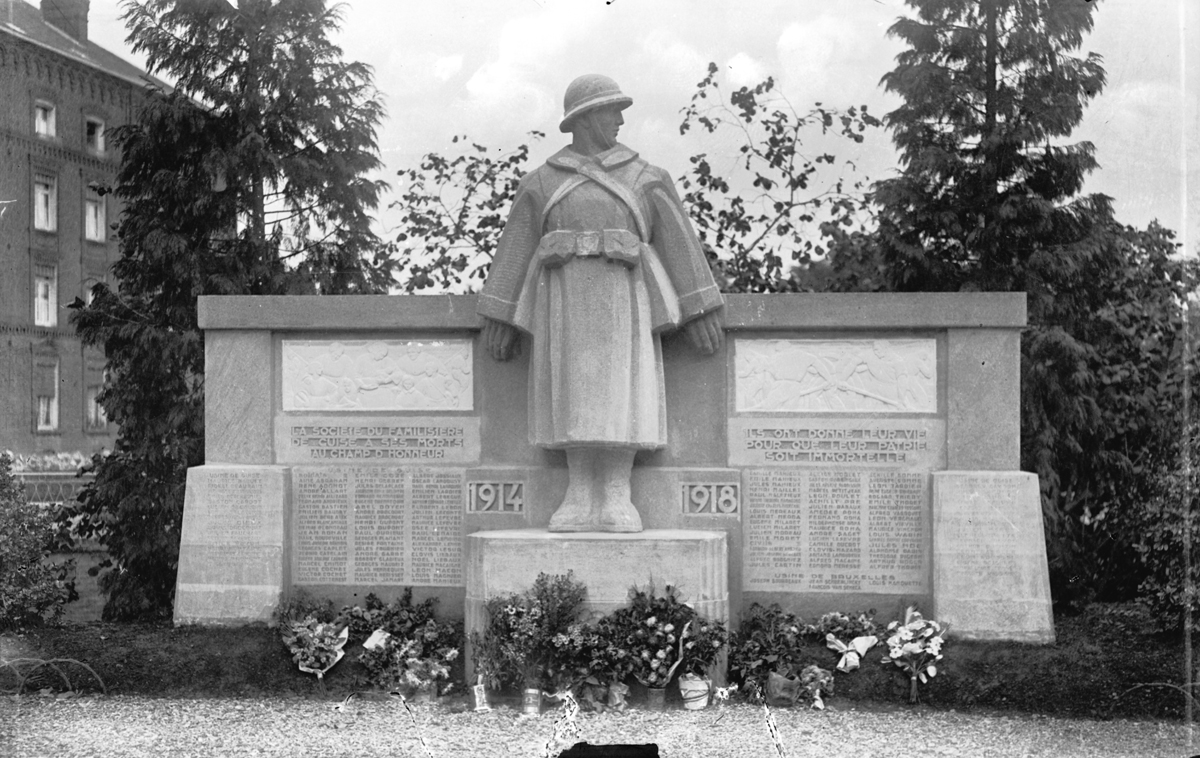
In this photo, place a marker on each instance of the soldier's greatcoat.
(596, 259)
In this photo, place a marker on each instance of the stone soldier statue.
(597, 259)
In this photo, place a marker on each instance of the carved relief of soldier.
(597, 260)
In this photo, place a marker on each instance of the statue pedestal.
(502, 562)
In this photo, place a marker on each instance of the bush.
(768, 639)
(33, 590)
(1173, 510)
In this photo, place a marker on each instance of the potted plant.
(517, 645)
(703, 640)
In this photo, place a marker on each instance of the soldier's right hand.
(502, 340)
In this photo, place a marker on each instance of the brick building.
(59, 95)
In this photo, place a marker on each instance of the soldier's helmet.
(588, 92)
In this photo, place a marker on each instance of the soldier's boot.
(579, 510)
(617, 511)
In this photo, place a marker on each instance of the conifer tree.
(248, 177)
(989, 198)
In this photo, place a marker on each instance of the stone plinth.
(990, 578)
(231, 547)
(502, 562)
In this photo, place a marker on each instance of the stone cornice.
(58, 151)
(47, 64)
(920, 310)
(38, 332)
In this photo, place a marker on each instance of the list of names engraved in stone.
(378, 525)
(831, 530)
(896, 522)
(233, 509)
(835, 528)
(322, 534)
(379, 529)
(437, 527)
(774, 530)
(980, 533)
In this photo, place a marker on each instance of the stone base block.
(231, 547)
(609, 564)
(990, 576)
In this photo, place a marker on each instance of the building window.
(94, 221)
(45, 203)
(46, 392)
(93, 135)
(45, 295)
(88, 295)
(95, 421)
(44, 120)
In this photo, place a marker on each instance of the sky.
(497, 69)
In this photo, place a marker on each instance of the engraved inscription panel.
(917, 443)
(836, 530)
(377, 525)
(437, 528)
(850, 376)
(377, 375)
(322, 533)
(991, 535)
(231, 506)
(991, 578)
(377, 439)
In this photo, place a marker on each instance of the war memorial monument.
(601, 407)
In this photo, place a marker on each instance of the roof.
(27, 24)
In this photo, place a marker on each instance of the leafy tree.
(454, 210)
(455, 207)
(765, 235)
(247, 178)
(988, 198)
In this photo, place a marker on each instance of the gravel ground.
(136, 726)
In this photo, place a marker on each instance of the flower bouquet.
(517, 645)
(587, 660)
(413, 665)
(652, 629)
(915, 645)
(315, 645)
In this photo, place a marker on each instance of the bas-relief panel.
(852, 376)
(377, 375)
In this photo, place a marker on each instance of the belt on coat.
(615, 245)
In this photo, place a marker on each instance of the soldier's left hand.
(706, 333)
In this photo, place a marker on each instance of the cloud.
(835, 62)
(744, 71)
(511, 84)
(671, 59)
(447, 66)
